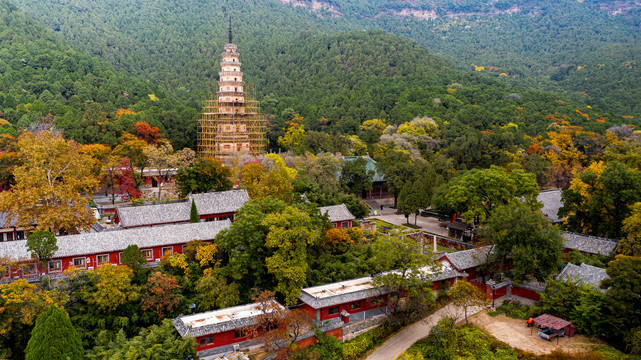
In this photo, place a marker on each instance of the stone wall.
(354, 329)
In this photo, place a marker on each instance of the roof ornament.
(230, 37)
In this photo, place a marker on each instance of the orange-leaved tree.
(276, 327)
(49, 185)
(160, 294)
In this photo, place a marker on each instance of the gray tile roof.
(466, 259)
(154, 214)
(216, 321)
(447, 272)
(363, 288)
(220, 202)
(337, 212)
(111, 241)
(589, 244)
(551, 201)
(339, 292)
(589, 275)
(5, 222)
(207, 204)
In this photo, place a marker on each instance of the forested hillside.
(45, 80)
(587, 50)
(334, 81)
(583, 51)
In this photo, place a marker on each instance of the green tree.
(415, 196)
(54, 337)
(215, 293)
(601, 198)
(290, 233)
(355, 177)
(527, 238)
(20, 304)
(407, 268)
(631, 245)
(623, 289)
(193, 213)
(153, 343)
(42, 244)
(203, 175)
(243, 245)
(132, 257)
(466, 295)
(399, 169)
(479, 191)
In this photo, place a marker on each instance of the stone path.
(400, 342)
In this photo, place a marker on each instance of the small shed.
(555, 323)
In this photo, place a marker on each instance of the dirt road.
(400, 342)
(515, 333)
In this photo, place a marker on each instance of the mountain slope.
(570, 47)
(44, 79)
(585, 51)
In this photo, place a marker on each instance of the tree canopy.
(526, 238)
(54, 337)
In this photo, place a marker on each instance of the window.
(239, 334)
(102, 259)
(55, 266)
(333, 310)
(19, 235)
(29, 269)
(9, 236)
(79, 262)
(147, 254)
(335, 224)
(207, 340)
(182, 249)
(167, 251)
(355, 305)
(345, 224)
(120, 257)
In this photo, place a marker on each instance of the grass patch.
(412, 226)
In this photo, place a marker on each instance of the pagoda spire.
(230, 37)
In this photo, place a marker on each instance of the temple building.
(232, 123)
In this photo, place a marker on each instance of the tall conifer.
(193, 217)
(54, 338)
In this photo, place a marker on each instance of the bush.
(329, 348)
(514, 310)
(468, 342)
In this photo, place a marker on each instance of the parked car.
(549, 333)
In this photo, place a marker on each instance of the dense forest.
(44, 80)
(335, 82)
(582, 51)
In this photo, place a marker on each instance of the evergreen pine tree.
(193, 217)
(54, 337)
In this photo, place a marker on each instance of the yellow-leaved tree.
(50, 182)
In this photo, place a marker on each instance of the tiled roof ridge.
(592, 236)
